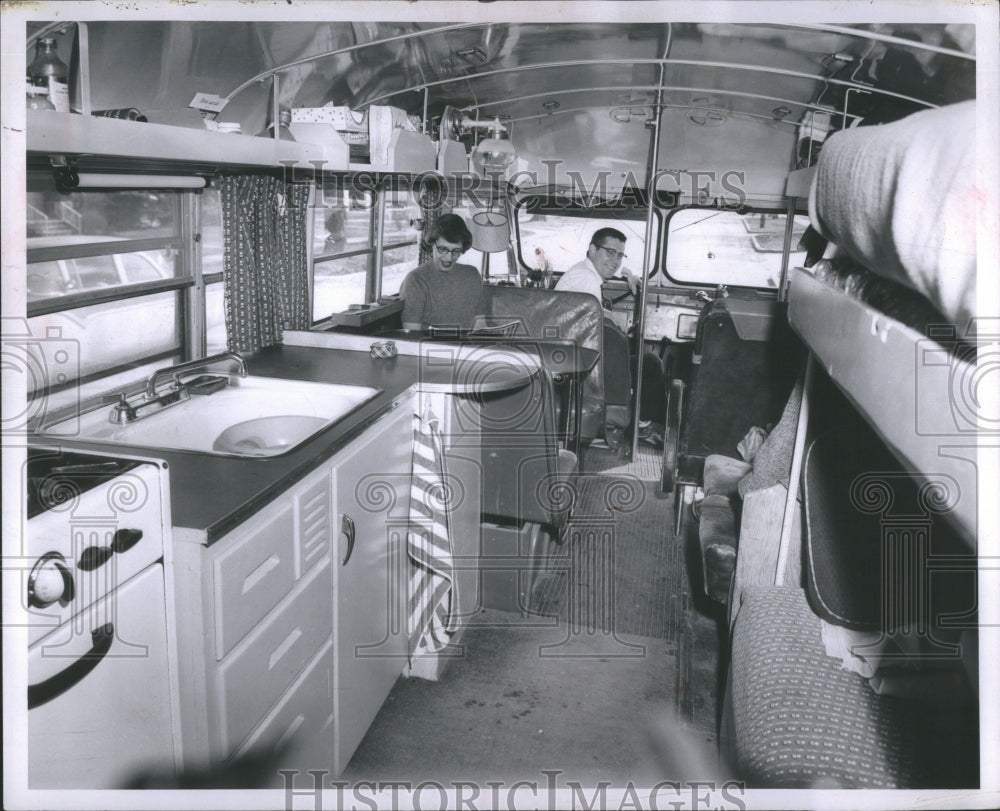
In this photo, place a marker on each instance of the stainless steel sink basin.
(253, 416)
(267, 436)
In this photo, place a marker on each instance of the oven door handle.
(55, 686)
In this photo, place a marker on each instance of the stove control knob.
(125, 539)
(50, 581)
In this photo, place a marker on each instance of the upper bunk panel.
(918, 394)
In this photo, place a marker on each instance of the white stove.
(100, 707)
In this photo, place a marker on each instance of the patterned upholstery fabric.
(800, 720)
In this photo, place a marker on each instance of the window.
(344, 245)
(86, 252)
(107, 336)
(710, 247)
(212, 248)
(216, 337)
(212, 244)
(396, 263)
(561, 240)
(59, 277)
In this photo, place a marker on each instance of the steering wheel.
(622, 297)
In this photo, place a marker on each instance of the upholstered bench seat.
(800, 720)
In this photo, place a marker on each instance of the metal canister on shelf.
(125, 113)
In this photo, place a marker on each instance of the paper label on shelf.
(208, 103)
(59, 95)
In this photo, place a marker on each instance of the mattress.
(902, 199)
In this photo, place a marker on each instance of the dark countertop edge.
(207, 513)
(211, 519)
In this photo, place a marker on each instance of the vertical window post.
(193, 312)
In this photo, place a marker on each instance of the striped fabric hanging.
(431, 617)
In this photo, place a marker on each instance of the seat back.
(523, 468)
(745, 361)
(558, 314)
(617, 375)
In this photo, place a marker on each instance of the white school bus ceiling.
(581, 97)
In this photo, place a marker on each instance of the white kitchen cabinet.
(371, 483)
(291, 627)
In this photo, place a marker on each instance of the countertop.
(213, 494)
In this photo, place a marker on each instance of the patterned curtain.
(265, 275)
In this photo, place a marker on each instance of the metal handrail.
(327, 54)
(714, 91)
(573, 63)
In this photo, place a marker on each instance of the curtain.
(265, 271)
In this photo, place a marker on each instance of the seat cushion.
(800, 720)
(717, 538)
(722, 475)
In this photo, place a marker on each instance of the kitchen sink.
(251, 417)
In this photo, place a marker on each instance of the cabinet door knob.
(347, 527)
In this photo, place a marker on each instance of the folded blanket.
(903, 200)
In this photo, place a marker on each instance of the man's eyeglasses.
(612, 252)
(442, 251)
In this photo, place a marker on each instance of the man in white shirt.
(604, 256)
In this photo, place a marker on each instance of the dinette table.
(566, 363)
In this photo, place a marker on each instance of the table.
(565, 362)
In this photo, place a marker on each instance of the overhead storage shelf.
(110, 138)
(916, 394)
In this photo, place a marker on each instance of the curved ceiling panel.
(570, 88)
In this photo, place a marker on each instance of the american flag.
(431, 617)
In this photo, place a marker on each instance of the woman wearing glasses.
(441, 292)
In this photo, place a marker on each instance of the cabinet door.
(371, 482)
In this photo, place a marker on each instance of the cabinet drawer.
(252, 576)
(302, 720)
(260, 669)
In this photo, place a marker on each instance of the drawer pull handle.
(347, 527)
(260, 573)
(284, 647)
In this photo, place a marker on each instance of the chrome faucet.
(190, 366)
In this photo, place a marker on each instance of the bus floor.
(614, 677)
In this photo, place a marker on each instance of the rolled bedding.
(902, 199)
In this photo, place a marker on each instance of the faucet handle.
(123, 412)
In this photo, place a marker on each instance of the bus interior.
(715, 539)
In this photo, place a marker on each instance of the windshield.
(710, 247)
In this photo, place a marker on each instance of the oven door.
(99, 708)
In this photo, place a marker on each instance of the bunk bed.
(898, 331)
(888, 317)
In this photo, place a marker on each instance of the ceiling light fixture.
(493, 155)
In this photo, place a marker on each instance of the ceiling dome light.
(494, 155)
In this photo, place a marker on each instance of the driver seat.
(617, 374)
